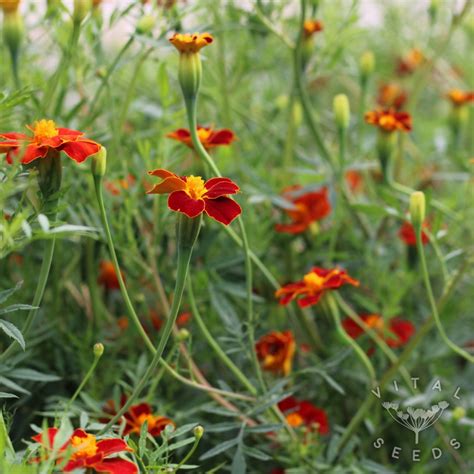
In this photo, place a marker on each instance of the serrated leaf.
(12, 331)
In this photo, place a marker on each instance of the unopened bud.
(183, 334)
(13, 30)
(198, 431)
(433, 10)
(99, 162)
(98, 349)
(189, 74)
(417, 209)
(81, 9)
(459, 413)
(145, 24)
(342, 112)
(366, 64)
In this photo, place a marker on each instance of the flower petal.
(217, 187)
(46, 438)
(162, 173)
(221, 137)
(15, 136)
(168, 185)
(33, 152)
(222, 209)
(109, 446)
(181, 202)
(67, 132)
(79, 151)
(116, 466)
(309, 300)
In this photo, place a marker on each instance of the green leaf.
(5, 294)
(225, 310)
(220, 448)
(12, 331)
(16, 307)
(31, 374)
(7, 395)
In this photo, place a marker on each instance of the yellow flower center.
(387, 122)
(84, 447)
(149, 418)
(294, 419)
(313, 281)
(44, 129)
(195, 187)
(375, 321)
(204, 134)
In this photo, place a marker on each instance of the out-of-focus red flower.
(208, 136)
(123, 323)
(189, 43)
(311, 27)
(89, 453)
(192, 196)
(389, 120)
(395, 333)
(391, 96)
(354, 180)
(115, 187)
(157, 321)
(408, 235)
(47, 136)
(408, 63)
(304, 413)
(314, 284)
(307, 208)
(137, 415)
(107, 276)
(275, 351)
(459, 97)
(277, 470)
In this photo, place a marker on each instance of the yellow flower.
(188, 43)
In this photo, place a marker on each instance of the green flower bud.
(99, 162)
(183, 334)
(145, 24)
(367, 64)
(417, 209)
(98, 349)
(198, 431)
(342, 112)
(189, 74)
(13, 31)
(81, 9)
(459, 413)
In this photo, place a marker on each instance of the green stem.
(214, 345)
(434, 309)
(190, 453)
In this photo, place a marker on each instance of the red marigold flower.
(311, 27)
(192, 196)
(391, 96)
(408, 235)
(89, 453)
(314, 284)
(459, 97)
(354, 180)
(307, 208)
(408, 64)
(276, 350)
(303, 412)
(190, 43)
(395, 332)
(389, 120)
(208, 136)
(47, 136)
(107, 276)
(157, 321)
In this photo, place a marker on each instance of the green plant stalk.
(214, 344)
(185, 250)
(190, 453)
(434, 309)
(38, 296)
(334, 309)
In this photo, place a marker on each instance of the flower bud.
(459, 413)
(183, 334)
(145, 24)
(189, 74)
(12, 30)
(98, 349)
(366, 65)
(341, 110)
(198, 431)
(417, 209)
(81, 9)
(433, 10)
(99, 162)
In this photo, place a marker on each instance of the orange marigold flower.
(354, 180)
(192, 196)
(307, 208)
(408, 64)
(157, 321)
(276, 351)
(88, 452)
(190, 43)
(107, 276)
(9, 5)
(47, 136)
(391, 96)
(395, 332)
(408, 235)
(389, 120)
(209, 137)
(304, 413)
(311, 27)
(459, 97)
(314, 284)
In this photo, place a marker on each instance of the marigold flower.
(307, 208)
(190, 43)
(9, 5)
(391, 96)
(303, 412)
(192, 196)
(354, 180)
(459, 97)
(311, 27)
(408, 235)
(181, 320)
(47, 136)
(89, 453)
(314, 284)
(276, 351)
(209, 137)
(395, 332)
(389, 120)
(408, 64)
(107, 276)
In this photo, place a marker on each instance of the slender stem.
(434, 308)
(190, 453)
(38, 296)
(225, 359)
